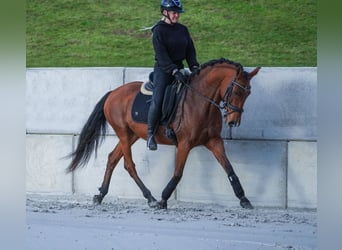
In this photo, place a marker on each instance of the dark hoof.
(162, 204)
(152, 202)
(97, 199)
(245, 203)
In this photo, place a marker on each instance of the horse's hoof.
(97, 199)
(162, 204)
(245, 203)
(152, 202)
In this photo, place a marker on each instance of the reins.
(225, 102)
(203, 96)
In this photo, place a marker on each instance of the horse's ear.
(254, 72)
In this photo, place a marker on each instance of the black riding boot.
(160, 79)
(151, 143)
(152, 125)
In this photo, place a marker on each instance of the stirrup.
(151, 143)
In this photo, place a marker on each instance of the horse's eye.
(237, 93)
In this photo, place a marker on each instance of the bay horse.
(218, 84)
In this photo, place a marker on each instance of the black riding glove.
(179, 76)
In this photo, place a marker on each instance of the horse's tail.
(91, 137)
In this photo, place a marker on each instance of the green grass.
(79, 33)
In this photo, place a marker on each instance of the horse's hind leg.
(215, 145)
(113, 159)
(130, 167)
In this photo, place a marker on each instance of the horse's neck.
(201, 94)
(210, 82)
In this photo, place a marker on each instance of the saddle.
(142, 100)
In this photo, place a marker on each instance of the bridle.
(225, 103)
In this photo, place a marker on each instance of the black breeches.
(161, 80)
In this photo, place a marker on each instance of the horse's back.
(119, 102)
(128, 87)
(124, 93)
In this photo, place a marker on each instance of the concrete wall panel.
(302, 174)
(45, 166)
(59, 100)
(137, 74)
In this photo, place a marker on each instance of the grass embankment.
(79, 33)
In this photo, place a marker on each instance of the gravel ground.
(73, 222)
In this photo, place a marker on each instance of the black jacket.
(172, 44)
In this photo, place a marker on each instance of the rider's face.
(174, 16)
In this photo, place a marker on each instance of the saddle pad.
(142, 102)
(140, 107)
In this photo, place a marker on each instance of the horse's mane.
(213, 62)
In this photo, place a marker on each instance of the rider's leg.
(160, 80)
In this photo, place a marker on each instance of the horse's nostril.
(231, 124)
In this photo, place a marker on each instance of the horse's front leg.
(215, 145)
(182, 154)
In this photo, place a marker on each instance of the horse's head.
(231, 87)
(236, 94)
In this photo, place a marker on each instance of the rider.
(172, 44)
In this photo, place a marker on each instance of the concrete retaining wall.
(273, 151)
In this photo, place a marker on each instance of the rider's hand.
(179, 76)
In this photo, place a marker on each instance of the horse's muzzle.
(234, 124)
(234, 120)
